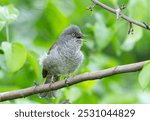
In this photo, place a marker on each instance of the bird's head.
(73, 33)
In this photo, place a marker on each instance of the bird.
(63, 58)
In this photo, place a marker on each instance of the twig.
(130, 20)
(118, 13)
(91, 7)
(7, 32)
(130, 29)
(148, 27)
(73, 80)
(122, 7)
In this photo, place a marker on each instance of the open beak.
(81, 36)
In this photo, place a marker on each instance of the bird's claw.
(36, 83)
(67, 81)
(50, 84)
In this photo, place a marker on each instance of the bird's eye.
(73, 34)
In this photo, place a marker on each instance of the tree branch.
(73, 80)
(130, 20)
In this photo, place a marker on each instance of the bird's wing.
(56, 44)
(44, 71)
(52, 47)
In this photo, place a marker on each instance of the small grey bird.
(63, 58)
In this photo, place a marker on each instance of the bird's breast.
(71, 60)
(63, 59)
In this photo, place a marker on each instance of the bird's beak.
(83, 35)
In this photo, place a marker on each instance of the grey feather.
(65, 56)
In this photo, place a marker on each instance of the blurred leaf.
(100, 60)
(88, 85)
(116, 45)
(1, 73)
(15, 55)
(87, 97)
(144, 97)
(144, 76)
(75, 94)
(101, 32)
(64, 5)
(8, 13)
(5, 88)
(2, 62)
(33, 61)
(138, 14)
(1, 51)
(119, 98)
(2, 24)
(139, 9)
(132, 39)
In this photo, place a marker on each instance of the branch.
(73, 80)
(130, 20)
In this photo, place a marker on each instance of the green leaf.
(2, 62)
(88, 85)
(116, 45)
(101, 32)
(33, 61)
(15, 55)
(2, 24)
(132, 39)
(74, 94)
(138, 14)
(144, 76)
(119, 98)
(140, 9)
(7, 15)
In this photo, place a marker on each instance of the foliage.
(29, 27)
(144, 77)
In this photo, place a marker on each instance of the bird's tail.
(50, 79)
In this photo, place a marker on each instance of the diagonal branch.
(73, 80)
(130, 20)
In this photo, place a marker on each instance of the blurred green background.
(108, 44)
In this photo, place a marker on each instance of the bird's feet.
(36, 83)
(67, 81)
(50, 83)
